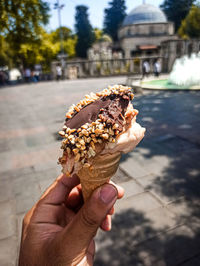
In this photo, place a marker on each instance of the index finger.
(57, 192)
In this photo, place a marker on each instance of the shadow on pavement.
(125, 244)
(170, 154)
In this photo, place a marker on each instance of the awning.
(148, 47)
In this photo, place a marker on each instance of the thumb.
(79, 233)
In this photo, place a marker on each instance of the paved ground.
(158, 221)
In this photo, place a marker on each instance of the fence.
(87, 68)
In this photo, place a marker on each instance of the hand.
(59, 229)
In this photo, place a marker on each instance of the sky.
(96, 11)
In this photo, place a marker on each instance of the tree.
(69, 40)
(66, 33)
(84, 31)
(98, 33)
(5, 53)
(176, 10)
(47, 48)
(41, 52)
(20, 23)
(114, 16)
(190, 26)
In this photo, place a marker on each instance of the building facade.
(143, 30)
(144, 35)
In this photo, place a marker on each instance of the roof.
(144, 14)
(148, 47)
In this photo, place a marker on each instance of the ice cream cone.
(97, 172)
(96, 132)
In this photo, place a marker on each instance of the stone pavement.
(158, 221)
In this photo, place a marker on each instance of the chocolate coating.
(110, 109)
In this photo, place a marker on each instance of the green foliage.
(47, 48)
(101, 37)
(20, 24)
(84, 31)
(69, 47)
(23, 41)
(41, 52)
(105, 38)
(64, 31)
(98, 34)
(114, 16)
(5, 53)
(69, 40)
(190, 26)
(176, 10)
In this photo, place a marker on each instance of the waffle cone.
(98, 172)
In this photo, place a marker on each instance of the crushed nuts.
(80, 142)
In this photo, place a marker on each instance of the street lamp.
(59, 7)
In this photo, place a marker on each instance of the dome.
(144, 14)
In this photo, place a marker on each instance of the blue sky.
(96, 11)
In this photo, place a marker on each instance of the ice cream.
(96, 132)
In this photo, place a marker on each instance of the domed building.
(143, 30)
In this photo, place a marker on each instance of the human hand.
(59, 229)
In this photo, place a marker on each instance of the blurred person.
(27, 75)
(60, 229)
(157, 68)
(145, 69)
(58, 72)
(2, 78)
(33, 79)
(37, 75)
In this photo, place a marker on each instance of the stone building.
(144, 35)
(143, 30)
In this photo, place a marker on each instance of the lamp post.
(59, 7)
(61, 56)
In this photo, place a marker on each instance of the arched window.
(151, 30)
(129, 32)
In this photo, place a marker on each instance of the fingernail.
(108, 193)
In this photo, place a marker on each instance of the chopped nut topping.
(78, 145)
(72, 131)
(105, 136)
(98, 131)
(82, 148)
(75, 151)
(68, 115)
(77, 109)
(84, 126)
(111, 132)
(95, 140)
(61, 133)
(115, 126)
(71, 137)
(85, 132)
(88, 140)
(81, 142)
